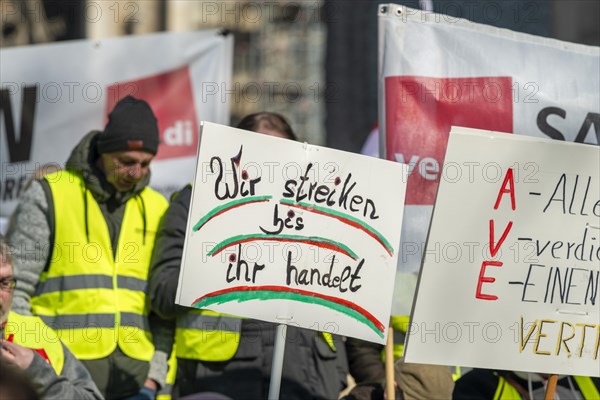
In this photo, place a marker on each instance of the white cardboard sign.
(291, 233)
(529, 300)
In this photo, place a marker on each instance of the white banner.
(52, 95)
(436, 71)
(292, 233)
(529, 301)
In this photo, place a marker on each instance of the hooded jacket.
(33, 220)
(31, 228)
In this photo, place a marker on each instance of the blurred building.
(313, 60)
(278, 56)
(279, 46)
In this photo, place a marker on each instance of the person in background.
(48, 369)
(483, 384)
(83, 238)
(413, 382)
(228, 355)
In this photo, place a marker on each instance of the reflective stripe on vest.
(32, 333)
(506, 391)
(587, 387)
(91, 281)
(93, 298)
(96, 321)
(209, 336)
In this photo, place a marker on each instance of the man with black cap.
(83, 239)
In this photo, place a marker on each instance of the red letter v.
(494, 248)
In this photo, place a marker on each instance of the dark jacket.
(364, 360)
(311, 370)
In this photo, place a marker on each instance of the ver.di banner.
(52, 95)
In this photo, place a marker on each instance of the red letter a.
(508, 186)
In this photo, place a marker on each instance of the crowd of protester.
(104, 278)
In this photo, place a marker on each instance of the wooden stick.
(390, 376)
(551, 388)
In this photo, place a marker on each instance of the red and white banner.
(52, 95)
(436, 71)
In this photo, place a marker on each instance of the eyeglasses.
(8, 283)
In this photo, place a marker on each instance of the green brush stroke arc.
(273, 295)
(294, 238)
(357, 221)
(224, 207)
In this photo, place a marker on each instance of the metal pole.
(277, 365)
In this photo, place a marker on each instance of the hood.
(83, 160)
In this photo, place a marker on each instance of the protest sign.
(436, 71)
(291, 233)
(518, 287)
(53, 94)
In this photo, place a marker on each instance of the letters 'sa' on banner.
(436, 71)
(291, 233)
(518, 287)
(53, 94)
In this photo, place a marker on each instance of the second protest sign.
(510, 275)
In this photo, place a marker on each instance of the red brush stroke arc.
(273, 288)
(345, 221)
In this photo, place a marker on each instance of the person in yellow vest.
(228, 355)
(83, 239)
(29, 345)
(485, 384)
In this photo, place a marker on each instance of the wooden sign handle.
(390, 376)
(551, 388)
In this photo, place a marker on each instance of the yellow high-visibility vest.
(94, 299)
(587, 387)
(206, 335)
(400, 324)
(31, 332)
(506, 391)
